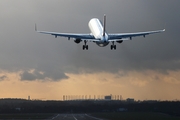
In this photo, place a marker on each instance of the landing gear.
(113, 46)
(85, 46)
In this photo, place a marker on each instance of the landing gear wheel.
(85, 47)
(111, 47)
(114, 47)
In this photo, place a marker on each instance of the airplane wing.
(69, 35)
(125, 36)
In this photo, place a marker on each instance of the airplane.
(99, 35)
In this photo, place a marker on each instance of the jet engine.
(77, 41)
(119, 41)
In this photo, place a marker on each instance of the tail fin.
(104, 25)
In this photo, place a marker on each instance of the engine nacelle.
(77, 41)
(119, 41)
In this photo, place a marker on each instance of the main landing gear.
(85, 46)
(113, 46)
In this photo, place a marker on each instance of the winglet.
(104, 25)
(162, 30)
(35, 27)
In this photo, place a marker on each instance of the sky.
(44, 67)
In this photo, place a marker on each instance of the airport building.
(91, 97)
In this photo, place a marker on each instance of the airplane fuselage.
(96, 29)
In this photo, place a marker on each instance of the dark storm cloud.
(36, 75)
(22, 49)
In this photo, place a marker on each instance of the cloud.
(3, 77)
(37, 75)
(134, 84)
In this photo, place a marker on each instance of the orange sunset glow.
(146, 85)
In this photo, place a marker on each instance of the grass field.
(135, 116)
(26, 116)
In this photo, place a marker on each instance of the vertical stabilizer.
(104, 25)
